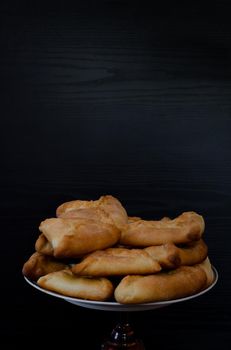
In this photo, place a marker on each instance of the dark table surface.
(121, 98)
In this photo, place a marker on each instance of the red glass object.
(122, 337)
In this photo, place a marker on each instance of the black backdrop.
(121, 98)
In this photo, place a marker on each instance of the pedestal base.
(122, 337)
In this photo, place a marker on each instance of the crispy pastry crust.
(117, 261)
(96, 214)
(187, 227)
(66, 283)
(42, 245)
(207, 267)
(76, 237)
(171, 256)
(133, 219)
(39, 265)
(193, 253)
(181, 282)
(166, 254)
(123, 261)
(106, 209)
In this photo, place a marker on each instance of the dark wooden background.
(121, 98)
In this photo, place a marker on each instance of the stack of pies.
(93, 250)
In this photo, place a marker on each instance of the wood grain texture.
(116, 97)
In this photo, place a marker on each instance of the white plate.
(113, 306)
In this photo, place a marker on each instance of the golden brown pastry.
(207, 267)
(193, 252)
(106, 209)
(96, 214)
(71, 238)
(167, 255)
(181, 282)
(66, 283)
(39, 265)
(171, 256)
(117, 261)
(133, 219)
(43, 246)
(187, 227)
